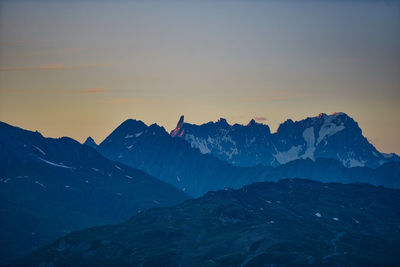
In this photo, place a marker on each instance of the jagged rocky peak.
(223, 122)
(252, 122)
(284, 125)
(335, 115)
(90, 142)
(340, 119)
(178, 131)
(128, 129)
(254, 126)
(181, 120)
(337, 118)
(132, 124)
(156, 129)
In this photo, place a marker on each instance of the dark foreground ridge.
(50, 187)
(290, 222)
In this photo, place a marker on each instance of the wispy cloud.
(58, 52)
(130, 100)
(56, 66)
(261, 119)
(84, 91)
(93, 90)
(56, 91)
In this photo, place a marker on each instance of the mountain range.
(179, 163)
(336, 136)
(50, 187)
(288, 223)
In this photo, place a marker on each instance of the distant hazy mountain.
(49, 187)
(175, 161)
(335, 136)
(289, 223)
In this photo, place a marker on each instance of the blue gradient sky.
(79, 69)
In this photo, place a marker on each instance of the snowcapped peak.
(335, 118)
(332, 115)
(338, 114)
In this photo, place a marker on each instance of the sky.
(80, 68)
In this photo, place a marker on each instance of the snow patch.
(227, 138)
(328, 129)
(309, 137)
(335, 219)
(252, 140)
(318, 214)
(41, 151)
(350, 163)
(388, 155)
(233, 151)
(290, 155)
(55, 164)
(198, 143)
(37, 182)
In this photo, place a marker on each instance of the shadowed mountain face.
(175, 161)
(49, 187)
(288, 223)
(90, 142)
(335, 136)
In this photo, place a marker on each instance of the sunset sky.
(79, 69)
